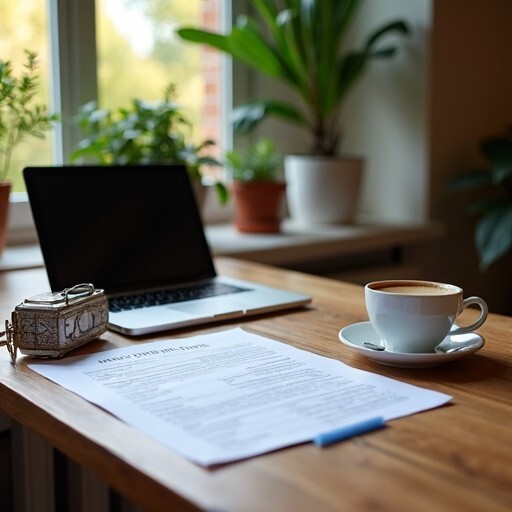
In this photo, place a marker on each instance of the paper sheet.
(231, 395)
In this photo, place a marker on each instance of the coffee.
(413, 316)
(416, 289)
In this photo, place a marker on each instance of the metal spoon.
(373, 346)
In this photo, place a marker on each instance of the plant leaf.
(493, 235)
(285, 42)
(497, 148)
(329, 21)
(470, 180)
(247, 116)
(352, 66)
(499, 152)
(195, 35)
(244, 43)
(399, 27)
(483, 206)
(222, 193)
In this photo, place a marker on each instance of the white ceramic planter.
(322, 190)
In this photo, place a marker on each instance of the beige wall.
(385, 119)
(471, 98)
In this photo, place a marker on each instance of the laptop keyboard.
(160, 297)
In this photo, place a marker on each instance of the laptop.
(136, 232)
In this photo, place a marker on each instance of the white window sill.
(16, 257)
(292, 247)
(296, 244)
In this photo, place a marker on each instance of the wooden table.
(454, 458)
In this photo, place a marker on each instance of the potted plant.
(145, 133)
(302, 45)
(257, 186)
(20, 117)
(493, 185)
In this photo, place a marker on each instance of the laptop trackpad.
(209, 308)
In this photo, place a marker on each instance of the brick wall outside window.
(212, 74)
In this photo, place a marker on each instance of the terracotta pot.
(5, 190)
(323, 190)
(258, 205)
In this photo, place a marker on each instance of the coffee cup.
(415, 316)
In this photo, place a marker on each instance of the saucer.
(451, 348)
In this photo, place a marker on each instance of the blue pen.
(348, 431)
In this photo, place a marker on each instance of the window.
(24, 25)
(112, 51)
(138, 51)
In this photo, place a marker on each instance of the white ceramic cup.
(415, 316)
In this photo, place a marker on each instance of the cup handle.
(483, 315)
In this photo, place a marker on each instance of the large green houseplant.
(144, 133)
(302, 43)
(20, 117)
(492, 205)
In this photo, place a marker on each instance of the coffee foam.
(417, 288)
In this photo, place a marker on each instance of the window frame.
(73, 77)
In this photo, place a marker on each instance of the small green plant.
(493, 231)
(19, 115)
(259, 162)
(143, 133)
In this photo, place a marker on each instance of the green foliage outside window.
(20, 116)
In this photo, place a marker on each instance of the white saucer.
(356, 335)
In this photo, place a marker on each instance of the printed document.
(230, 395)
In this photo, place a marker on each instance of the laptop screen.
(122, 228)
